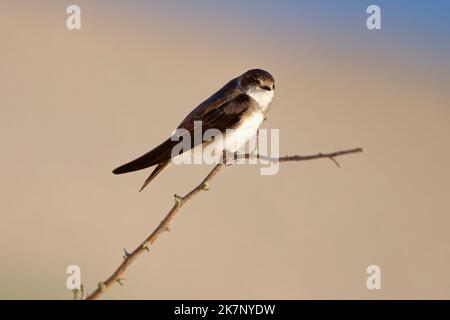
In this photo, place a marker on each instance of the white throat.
(261, 96)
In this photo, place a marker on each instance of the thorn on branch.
(126, 254)
(167, 229)
(145, 246)
(178, 200)
(75, 293)
(335, 162)
(120, 281)
(101, 286)
(82, 292)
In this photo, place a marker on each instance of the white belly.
(237, 137)
(231, 141)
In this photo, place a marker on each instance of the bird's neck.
(262, 97)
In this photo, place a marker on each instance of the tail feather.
(159, 154)
(154, 173)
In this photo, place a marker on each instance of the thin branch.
(331, 155)
(129, 258)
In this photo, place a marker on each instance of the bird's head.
(258, 84)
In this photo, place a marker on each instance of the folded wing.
(221, 117)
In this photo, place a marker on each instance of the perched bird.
(242, 105)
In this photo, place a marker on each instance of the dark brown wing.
(220, 117)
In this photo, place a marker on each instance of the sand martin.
(242, 105)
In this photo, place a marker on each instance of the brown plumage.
(223, 110)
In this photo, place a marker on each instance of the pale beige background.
(74, 105)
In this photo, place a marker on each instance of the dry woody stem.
(144, 247)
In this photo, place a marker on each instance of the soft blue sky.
(417, 28)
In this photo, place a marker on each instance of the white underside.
(234, 139)
(231, 141)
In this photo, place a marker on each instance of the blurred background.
(76, 104)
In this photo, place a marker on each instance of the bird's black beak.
(266, 88)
